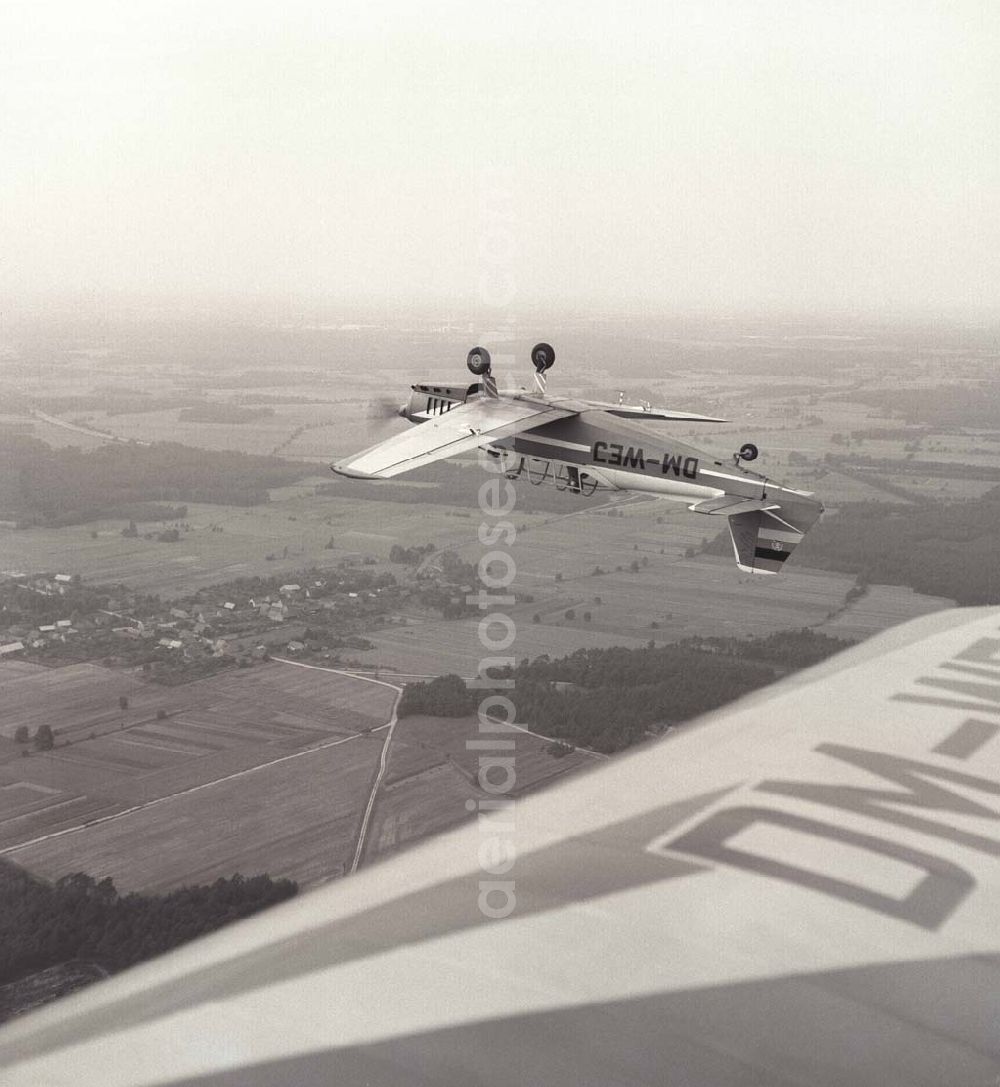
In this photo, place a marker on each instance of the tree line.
(944, 407)
(54, 487)
(78, 917)
(947, 549)
(608, 699)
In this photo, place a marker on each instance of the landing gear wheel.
(478, 361)
(748, 451)
(542, 356)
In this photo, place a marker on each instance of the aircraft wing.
(800, 889)
(466, 427)
(628, 411)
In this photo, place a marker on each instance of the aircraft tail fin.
(763, 539)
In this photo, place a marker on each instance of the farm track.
(383, 757)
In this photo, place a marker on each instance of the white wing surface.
(801, 889)
(629, 411)
(466, 427)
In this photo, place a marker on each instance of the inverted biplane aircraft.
(582, 446)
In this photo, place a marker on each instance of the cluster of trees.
(21, 604)
(890, 434)
(945, 550)
(787, 649)
(411, 556)
(449, 600)
(44, 738)
(54, 487)
(445, 696)
(151, 511)
(78, 917)
(607, 699)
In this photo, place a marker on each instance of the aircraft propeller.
(384, 408)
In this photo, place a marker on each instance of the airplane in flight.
(583, 446)
(800, 888)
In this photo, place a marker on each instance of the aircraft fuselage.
(596, 449)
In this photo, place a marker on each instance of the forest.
(944, 407)
(78, 917)
(608, 699)
(947, 549)
(54, 487)
(944, 549)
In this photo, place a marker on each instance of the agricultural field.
(53, 435)
(297, 819)
(683, 597)
(295, 815)
(214, 734)
(226, 542)
(74, 700)
(670, 599)
(270, 434)
(431, 776)
(882, 606)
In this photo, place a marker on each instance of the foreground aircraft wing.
(800, 889)
(466, 427)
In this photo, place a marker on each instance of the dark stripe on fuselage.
(536, 446)
(770, 553)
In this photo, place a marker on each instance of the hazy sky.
(842, 154)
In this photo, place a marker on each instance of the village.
(57, 618)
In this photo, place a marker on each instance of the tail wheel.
(748, 451)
